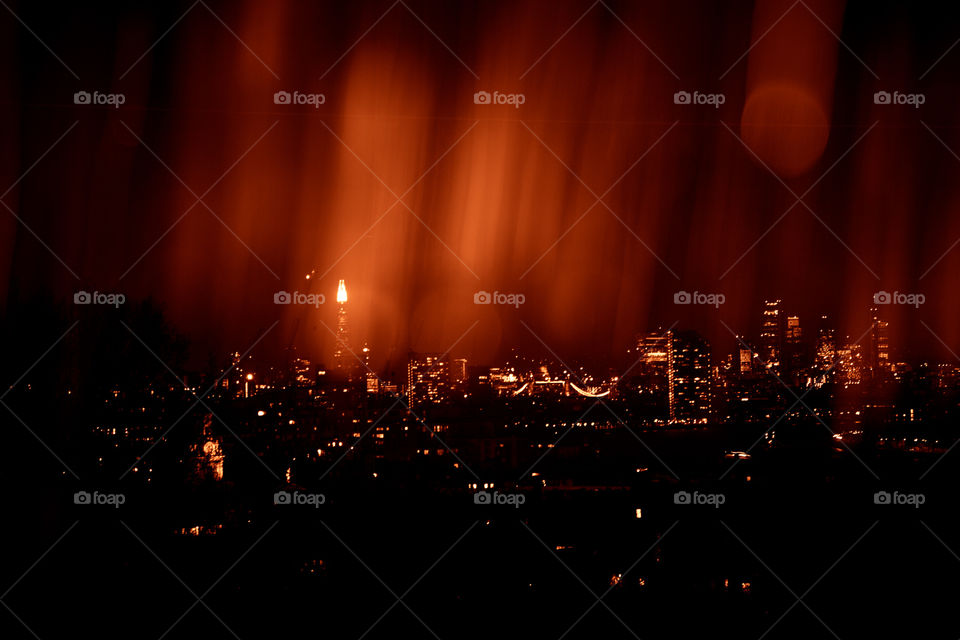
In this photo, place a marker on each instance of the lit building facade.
(879, 342)
(458, 371)
(771, 334)
(826, 345)
(793, 351)
(428, 379)
(343, 336)
(689, 379)
(653, 361)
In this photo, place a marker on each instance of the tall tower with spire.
(343, 339)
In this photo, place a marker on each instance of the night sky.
(491, 197)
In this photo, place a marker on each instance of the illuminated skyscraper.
(826, 345)
(653, 355)
(793, 352)
(879, 342)
(654, 349)
(689, 378)
(302, 372)
(771, 334)
(850, 365)
(793, 330)
(343, 338)
(745, 360)
(458, 373)
(428, 379)
(373, 382)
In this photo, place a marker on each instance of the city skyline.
(308, 324)
(774, 330)
(489, 318)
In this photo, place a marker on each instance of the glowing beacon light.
(341, 293)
